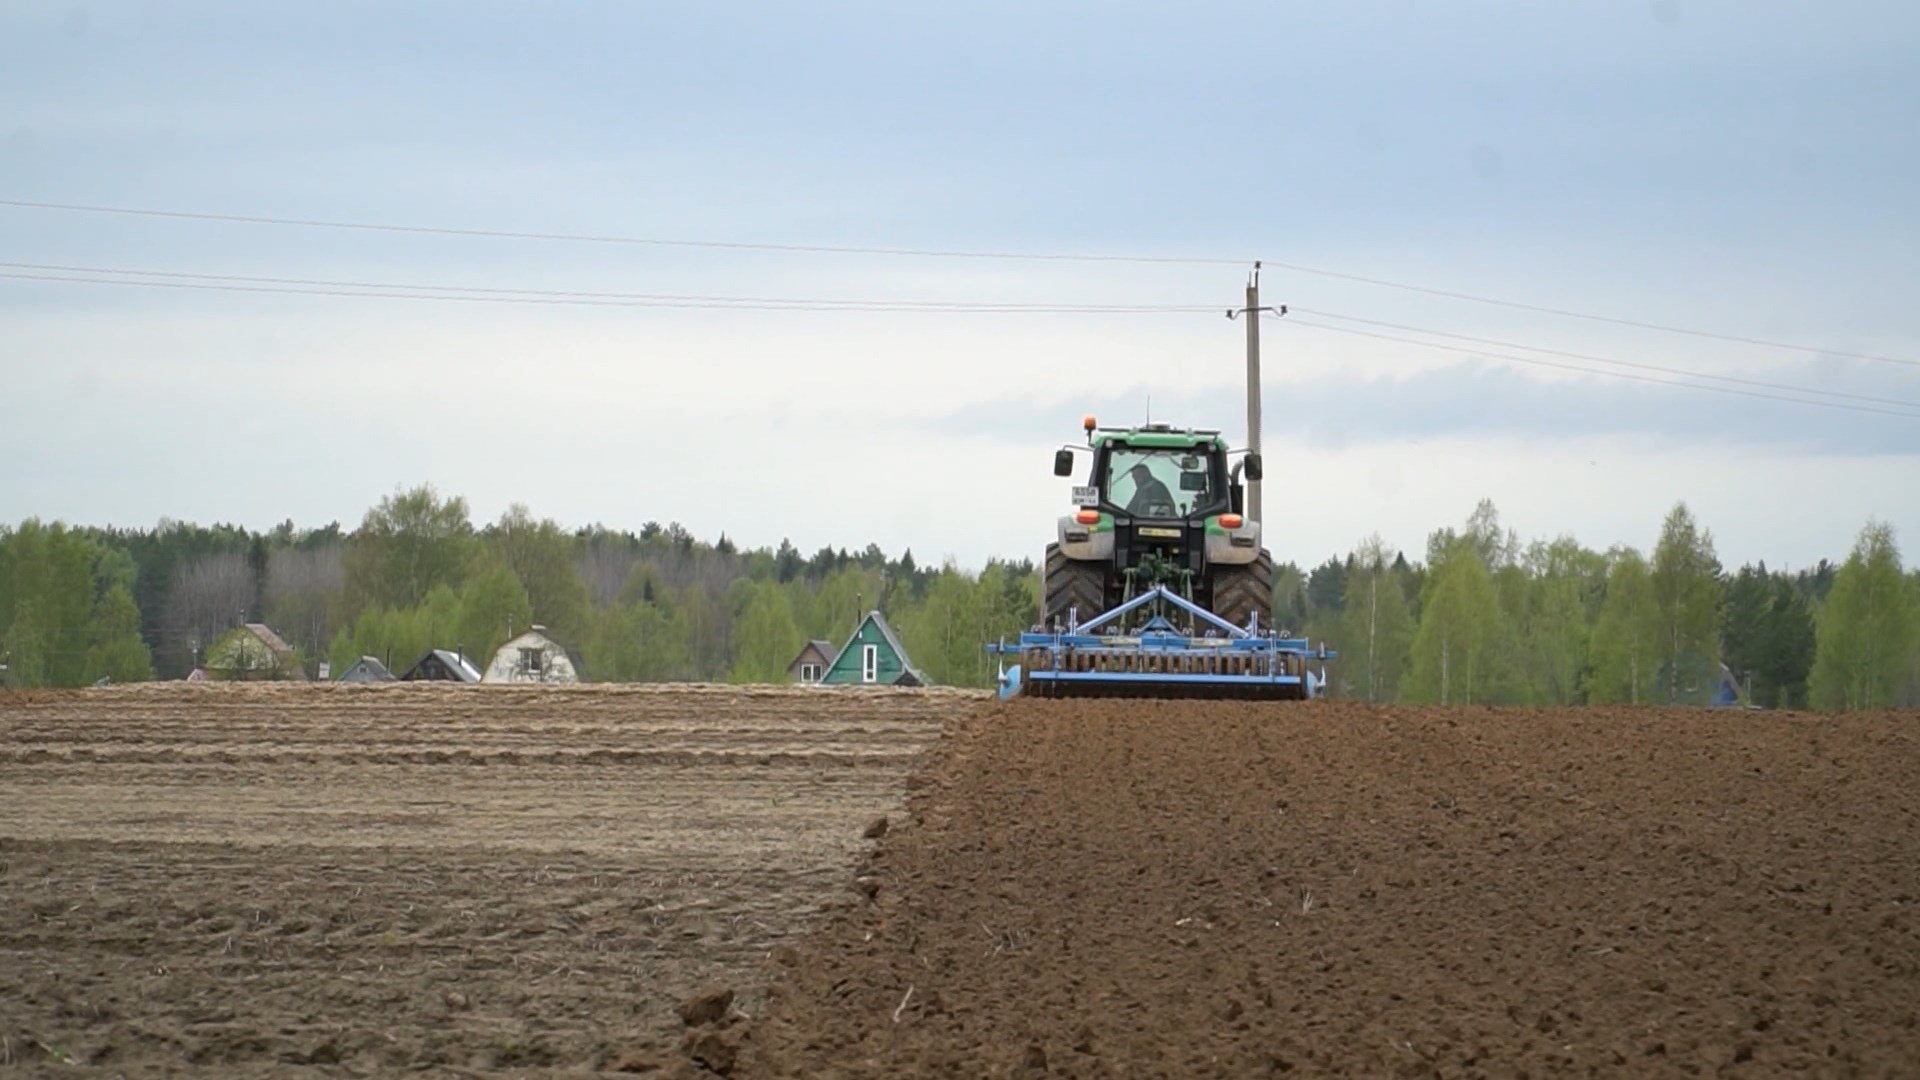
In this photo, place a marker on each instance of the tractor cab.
(1158, 472)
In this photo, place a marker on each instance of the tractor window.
(1159, 483)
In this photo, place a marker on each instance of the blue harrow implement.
(1139, 649)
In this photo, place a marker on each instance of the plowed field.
(1207, 890)
(252, 880)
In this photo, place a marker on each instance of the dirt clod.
(714, 1050)
(637, 1061)
(709, 1006)
(875, 829)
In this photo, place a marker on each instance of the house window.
(869, 663)
(530, 659)
(809, 672)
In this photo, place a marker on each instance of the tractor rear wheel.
(1241, 589)
(1071, 586)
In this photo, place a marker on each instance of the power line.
(387, 290)
(829, 249)
(231, 283)
(1733, 379)
(1597, 371)
(1589, 316)
(957, 305)
(591, 238)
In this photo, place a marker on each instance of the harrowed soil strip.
(1160, 889)
(243, 880)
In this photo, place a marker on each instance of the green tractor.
(1163, 507)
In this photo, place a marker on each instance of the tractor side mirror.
(1253, 467)
(1063, 462)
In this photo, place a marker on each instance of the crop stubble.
(271, 879)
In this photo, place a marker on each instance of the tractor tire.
(1240, 590)
(1071, 586)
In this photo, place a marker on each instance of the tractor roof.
(1160, 435)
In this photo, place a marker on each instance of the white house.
(533, 657)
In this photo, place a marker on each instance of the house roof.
(539, 635)
(898, 649)
(823, 649)
(273, 641)
(461, 667)
(370, 666)
(880, 623)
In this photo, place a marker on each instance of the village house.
(873, 656)
(811, 665)
(254, 651)
(442, 665)
(367, 669)
(533, 657)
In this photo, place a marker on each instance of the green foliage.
(1686, 597)
(1376, 634)
(26, 649)
(542, 556)
(392, 637)
(493, 608)
(765, 637)
(1559, 586)
(115, 568)
(945, 632)
(1625, 650)
(1786, 649)
(1456, 649)
(1290, 602)
(1767, 637)
(118, 653)
(1866, 631)
(47, 595)
(641, 641)
(413, 541)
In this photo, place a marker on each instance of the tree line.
(81, 604)
(1489, 619)
(1480, 617)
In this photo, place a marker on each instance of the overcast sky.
(1746, 169)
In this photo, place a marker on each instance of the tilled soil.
(261, 880)
(1107, 889)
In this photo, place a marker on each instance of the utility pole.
(1252, 312)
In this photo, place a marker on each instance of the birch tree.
(1625, 649)
(1866, 631)
(1686, 595)
(1377, 631)
(1453, 661)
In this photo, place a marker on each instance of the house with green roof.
(873, 656)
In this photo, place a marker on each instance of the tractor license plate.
(1086, 496)
(1159, 533)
